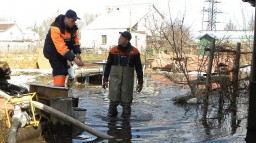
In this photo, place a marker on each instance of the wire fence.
(19, 47)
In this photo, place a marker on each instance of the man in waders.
(62, 45)
(121, 62)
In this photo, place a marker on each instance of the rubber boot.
(126, 114)
(112, 110)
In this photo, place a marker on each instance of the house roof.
(222, 34)
(207, 35)
(252, 2)
(6, 26)
(122, 16)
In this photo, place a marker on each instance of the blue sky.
(29, 12)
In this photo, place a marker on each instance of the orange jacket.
(124, 56)
(61, 40)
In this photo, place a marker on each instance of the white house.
(9, 31)
(136, 18)
(15, 39)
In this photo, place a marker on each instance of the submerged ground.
(155, 117)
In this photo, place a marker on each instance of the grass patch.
(94, 57)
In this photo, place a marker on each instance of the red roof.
(5, 26)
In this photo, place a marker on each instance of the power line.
(212, 14)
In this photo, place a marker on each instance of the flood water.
(156, 118)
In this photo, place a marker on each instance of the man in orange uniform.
(119, 71)
(62, 45)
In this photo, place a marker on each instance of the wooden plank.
(47, 92)
(42, 62)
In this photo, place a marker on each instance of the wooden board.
(46, 92)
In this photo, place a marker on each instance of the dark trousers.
(59, 65)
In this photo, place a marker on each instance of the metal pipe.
(67, 118)
(13, 130)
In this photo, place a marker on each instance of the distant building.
(136, 18)
(15, 39)
(205, 42)
(233, 36)
(206, 37)
(9, 31)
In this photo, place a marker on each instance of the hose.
(63, 116)
(67, 118)
(13, 130)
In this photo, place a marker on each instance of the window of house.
(103, 39)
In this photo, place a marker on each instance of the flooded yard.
(156, 118)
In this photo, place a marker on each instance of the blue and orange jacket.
(124, 56)
(61, 40)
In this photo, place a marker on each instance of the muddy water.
(155, 118)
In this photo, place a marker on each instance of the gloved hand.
(139, 87)
(105, 85)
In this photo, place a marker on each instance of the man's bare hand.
(105, 85)
(78, 62)
(139, 87)
(78, 56)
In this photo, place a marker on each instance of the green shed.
(205, 42)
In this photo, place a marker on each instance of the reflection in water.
(204, 121)
(121, 130)
(223, 118)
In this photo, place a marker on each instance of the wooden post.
(251, 124)
(209, 70)
(235, 76)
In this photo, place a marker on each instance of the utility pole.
(130, 7)
(251, 121)
(202, 28)
(212, 14)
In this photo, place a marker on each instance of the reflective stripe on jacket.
(129, 58)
